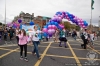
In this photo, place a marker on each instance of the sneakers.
(33, 53)
(60, 46)
(26, 59)
(65, 46)
(81, 45)
(21, 58)
(39, 58)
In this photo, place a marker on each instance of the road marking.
(76, 58)
(8, 45)
(8, 53)
(51, 55)
(86, 58)
(96, 43)
(80, 49)
(44, 53)
(58, 47)
(92, 48)
(59, 56)
(5, 49)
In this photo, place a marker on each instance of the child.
(23, 39)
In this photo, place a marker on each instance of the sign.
(27, 27)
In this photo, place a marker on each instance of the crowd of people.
(7, 32)
(36, 36)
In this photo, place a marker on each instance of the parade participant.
(23, 39)
(35, 40)
(74, 34)
(56, 35)
(5, 34)
(0, 33)
(91, 39)
(11, 32)
(62, 38)
(85, 39)
(17, 31)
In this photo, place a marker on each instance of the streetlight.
(99, 23)
(5, 12)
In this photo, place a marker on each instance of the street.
(51, 54)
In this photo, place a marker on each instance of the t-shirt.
(85, 35)
(35, 35)
(62, 34)
(92, 37)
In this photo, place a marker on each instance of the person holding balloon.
(62, 38)
(23, 40)
(11, 32)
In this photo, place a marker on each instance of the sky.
(80, 8)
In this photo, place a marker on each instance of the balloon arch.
(55, 22)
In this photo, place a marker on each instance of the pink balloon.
(60, 18)
(50, 26)
(53, 31)
(62, 26)
(45, 30)
(83, 26)
(50, 31)
(53, 27)
(59, 15)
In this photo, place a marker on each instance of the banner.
(27, 27)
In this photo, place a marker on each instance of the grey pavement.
(51, 54)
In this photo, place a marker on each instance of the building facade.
(26, 18)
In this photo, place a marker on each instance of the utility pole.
(91, 18)
(5, 13)
(99, 23)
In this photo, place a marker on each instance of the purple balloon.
(50, 35)
(19, 20)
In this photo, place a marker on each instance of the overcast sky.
(80, 8)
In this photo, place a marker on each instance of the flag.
(92, 2)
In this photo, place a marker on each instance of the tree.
(67, 25)
(0, 23)
(77, 28)
(73, 26)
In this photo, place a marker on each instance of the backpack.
(82, 36)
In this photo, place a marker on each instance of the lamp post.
(99, 23)
(5, 12)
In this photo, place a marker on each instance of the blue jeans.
(74, 37)
(36, 43)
